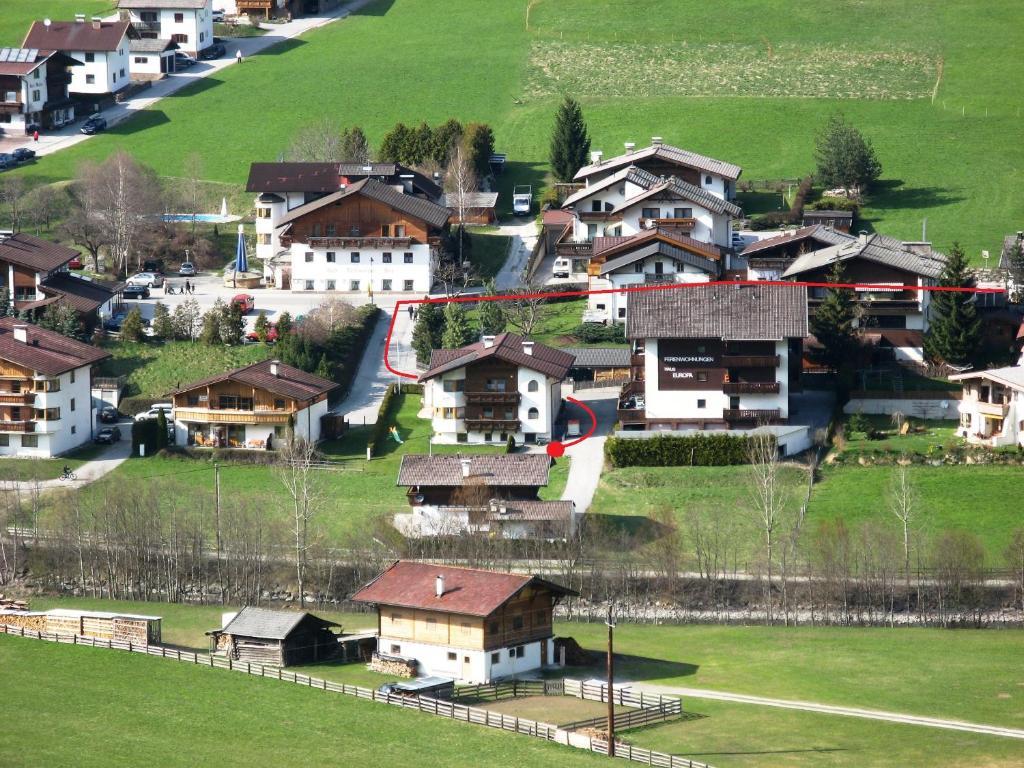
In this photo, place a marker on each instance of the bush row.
(706, 450)
(592, 333)
(220, 455)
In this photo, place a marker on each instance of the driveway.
(588, 456)
(373, 377)
(69, 136)
(105, 463)
(524, 236)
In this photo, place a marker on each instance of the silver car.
(148, 279)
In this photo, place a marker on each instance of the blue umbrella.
(241, 263)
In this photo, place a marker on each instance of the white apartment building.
(45, 390)
(498, 387)
(189, 23)
(992, 408)
(100, 46)
(34, 90)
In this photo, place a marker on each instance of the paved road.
(89, 472)
(372, 378)
(588, 456)
(524, 236)
(54, 141)
(829, 709)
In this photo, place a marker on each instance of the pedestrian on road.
(412, 311)
(169, 288)
(188, 287)
(238, 55)
(35, 135)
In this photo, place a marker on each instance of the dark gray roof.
(418, 207)
(718, 311)
(818, 233)
(273, 625)
(599, 357)
(660, 248)
(525, 469)
(513, 511)
(665, 152)
(151, 45)
(654, 185)
(877, 248)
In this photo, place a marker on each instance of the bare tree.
(297, 472)
(326, 318)
(527, 310)
(1015, 559)
(43, 204)
(317, 142)
(459, 184)
(84, 224)
(454, 275)
(903, 502)
(12, 192)
(193, 185)
(768, 498)
(127, 194)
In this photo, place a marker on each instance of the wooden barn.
(281, 638)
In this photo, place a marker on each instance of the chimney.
(465, 463)
(527, 347)
(21, 333)
(274, 369)
(595, 157)
(407, 182)
(920, 247)
(862, 236)
(80, 18)
(656, 141)
(630, 146)
(439, 585)
(488, 342)
(5, 233)
(96, 22)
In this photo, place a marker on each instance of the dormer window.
(708, 180)
(595, 206)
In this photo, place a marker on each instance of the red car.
(245, 301)
(271, 335)
(75, 263)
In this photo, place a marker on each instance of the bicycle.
(67, 474)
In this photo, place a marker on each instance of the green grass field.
(935, 86)
(84, 707)
(489, 250)
(924, 434)
(18, 15)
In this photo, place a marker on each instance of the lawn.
(489, 249)
(46, 469)
(924, 434)
(558, 323)
(935, 86)
(18, 15)
(557, 710)
(84, 707)
(154, 369)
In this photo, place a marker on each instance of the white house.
(346, 227)
(714, 357)
(254, 407)
(992, 408)
(34, 90)
(189, 23)
(101, 46)
(151, 59)
(498, 387)
(471, 625)
(45, 390)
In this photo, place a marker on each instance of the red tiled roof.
(35, 252)
(77, 35)
(508, 347)
(48, 352)
(604, 246)
(467, 591)
(289, 381)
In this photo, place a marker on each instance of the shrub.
(145, 433)
(593, 333)
(858, 422)
(796, 210)
(703, 450)
(772, 220)
(510, 444)
(137, 404)
(829, 203)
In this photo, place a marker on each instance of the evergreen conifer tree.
(833, 325)
(131, 328)
(955, 328)
(210, 334)
(284, 325)
(570, 144)
(457, 332)
(163, 326)
(844, 157)
(6, 308)
(492, 319)
(427, 333)
(262, 326)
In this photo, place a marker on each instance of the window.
(90, 58)
(488, 437)
(683, 213)
(407, 285)
(540, 619)
(638, 267)
(708, 180)
(488, 412)
(517, 622)
(495, 657)
(30, 441)
(399, 230)
(309, 257)
(15, 414)
(332, 230)
(317, 230)
(353, 285)
(452, 656)
(621, 312)
(72, 380)
(407, 258)
(330, 285)
(659, 268)
(495, 385)
(385, 230)
(263, 213)
(702, 375)
(355, 257)
(279, 403)
(385, 285)
(122, 72)
(331, 257)
(385, 257)
(533, 413)
(48, 414)
(202, 37)
(35, 95)
(179, 38)
(35, 73)
(650, 213)
(90, 79)
(396, 649)
(192, 401)
(179, 18)
(5, 440)
(263, 238)
(72, 403)
(462, 437)
(74, 429)
(454, 385)
(533, 386)
(702, 403)
(595, 206)
(309, 285)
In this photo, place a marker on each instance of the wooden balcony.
(17, 398)
(10, 107)
(17, 426)
(396, 243)
(492, 425)
(760, 415)
(517, 636)
(751, 388)
(480, 398)
(750, 361)
(224, 416)
(998, 410)
(597, 215)
(572, 249)
(633, 388)
(682, 224)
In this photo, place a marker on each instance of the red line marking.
(593, 422)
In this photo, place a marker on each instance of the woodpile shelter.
(281, 638)
(102, 625)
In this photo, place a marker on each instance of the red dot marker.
(555, 449)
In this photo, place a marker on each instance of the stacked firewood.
(392, 665)
(10, 604)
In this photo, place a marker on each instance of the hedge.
(220, 455)
(144, 433)
(702, 450)
(592, 333)
(388, 407)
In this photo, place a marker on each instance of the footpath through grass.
(85, 707)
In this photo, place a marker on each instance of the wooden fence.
(510, 690)
(424, 704)
(598, 691)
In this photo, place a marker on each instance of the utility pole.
(611, 683)
(216, 482)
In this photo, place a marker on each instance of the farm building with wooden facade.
(467, 624)
(103, 625)
(281, 638)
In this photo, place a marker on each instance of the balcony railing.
(226, 416)
(147, 26)
(750, 361)
(685, 224)
(998, 410)
(17, 426)
(751, 388)
(633, 388)
(478, 398)
(638, 361)
(398, 243)
(17, 398)
(492, 425)
(595, 215)
(751, 414)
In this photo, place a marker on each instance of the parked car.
(154, 411)
(94, 125)
(107, 436)
(75, 263)
(217, 16)
(108, 414)
(738, 243)
(135, 292)
(245, 301)
(271, 334)
(23, 154)
(183, 60)
(156, 266)
(7, 161)
(561, 268)
(214, 51)
(187, 269)
(115, 321)
(148, 279)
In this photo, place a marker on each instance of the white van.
(562, 267)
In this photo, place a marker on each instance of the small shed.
(281, 638)
(841, 221)
(477, 207)
(607, 365)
